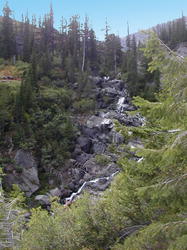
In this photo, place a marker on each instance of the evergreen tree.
(92, 51)
(28, 40)
(74, 43)
(113, 53)
(8, 44)
(85, 37)
(130, 64)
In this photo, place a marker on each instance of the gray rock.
(77, 174)
(87, 177)
(128, 107)
(100, 123)
(182, 49)
(99, 147)
(110, 92)
(66, 193)
(117, 84)
(77, 151)
(136, 143)
(83, 158)
(96, 80)
(96, 170)
(116, 137)
(89, 132)
(85, 143)
(55, 192)
(43, 200)
(27, 176)
(92, 168)
(101, 185)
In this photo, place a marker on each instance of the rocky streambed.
(92, 166)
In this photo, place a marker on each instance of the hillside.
(171, 33)
(145, 208)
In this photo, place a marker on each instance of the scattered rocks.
(96, 133)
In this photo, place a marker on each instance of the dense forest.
(51, 82)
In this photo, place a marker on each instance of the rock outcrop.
(93, 166)
(24, 173)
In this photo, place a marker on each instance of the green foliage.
(21, 67)
(84, 105)
(7, 43)
(168, 236)
(173, 32)
(54, 136)
(62, 97)
(102, 160)
(43, 232)
(149, 195)
(113, 55)
(8, 91)
(17, 194)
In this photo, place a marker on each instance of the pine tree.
(113, 53)
(28, 40)
(92, 51)
(74, 42)
(85, 37)
(8, 45)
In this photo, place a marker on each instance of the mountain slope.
(146, 205)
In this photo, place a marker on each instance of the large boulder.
(98, 147)
(99, 185)
(56, 192)
(116, 137)
(43, 200)
(85, 144)
(101, 123)
(82, 158)
(117, 84)
(96, 80)
(24, 173)
(95, 169)
(110, 92)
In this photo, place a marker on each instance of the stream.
(73, 195)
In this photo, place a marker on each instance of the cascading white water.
(140, 160)
(120, 104)
(106, 121)
(73, 195)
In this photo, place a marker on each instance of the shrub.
(102, 159)
(84, 105)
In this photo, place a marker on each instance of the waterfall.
(73, 195)
(120, 104)
(140, 160)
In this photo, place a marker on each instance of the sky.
(140, 14)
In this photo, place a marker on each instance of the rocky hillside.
(96, 149)
(145, 206)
